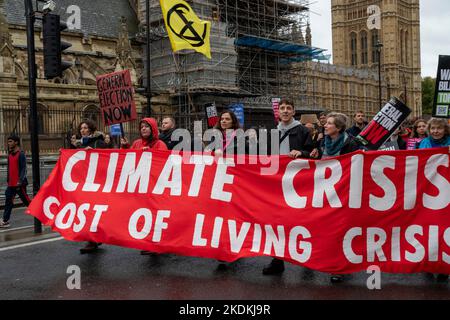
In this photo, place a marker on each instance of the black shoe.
(222, 266)
(336, 278)
(89, 248)
(275, 267)
(148, 253)
(442, 278)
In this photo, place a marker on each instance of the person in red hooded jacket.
(149, 140)
(149, 137)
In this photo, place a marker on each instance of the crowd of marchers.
(321, 137)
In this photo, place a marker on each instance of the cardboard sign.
(276, 109)
(115, 130)
(115, 92)
(441, 106)
(211, 114)
(238, 110)
(384, 124)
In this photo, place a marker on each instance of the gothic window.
(375, 39)
(364, 49)
(402, 48)
(406, 49)
(92, 112)
(354, 48)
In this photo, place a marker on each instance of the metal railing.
(55, 127)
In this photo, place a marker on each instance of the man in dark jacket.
(359, 124)
(296, 142)
(16, 178)
(167, 128)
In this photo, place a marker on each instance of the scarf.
(284, 146)
(333, 147)
(439, 143)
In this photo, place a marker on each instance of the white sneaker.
(4, 224)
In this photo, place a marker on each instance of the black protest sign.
(390, 146)
(211, 114)
(115, 92)
(384, 124)
(441, 106)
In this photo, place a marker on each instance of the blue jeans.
(10, 194)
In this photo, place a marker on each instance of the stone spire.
(124, 51)
(308, 35)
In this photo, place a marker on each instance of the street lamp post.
(149, 88)
(32, 75)
(379, 45)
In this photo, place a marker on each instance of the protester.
(295, 141)
(439, 131)
(439, 134)
(90, 139)
(73, 142)
(149, 140)
(316, 137)
(418, 133)
(16, 179)
(251, 142)
(108, 142)
(322, 122)
(167, 129)
(228, 124)
(149, 137)
(337, 141)
(359, 124)
(406, 130)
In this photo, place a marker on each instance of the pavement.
(36, 268)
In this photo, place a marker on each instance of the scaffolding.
(257, 48)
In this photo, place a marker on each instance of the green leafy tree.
(428, 91)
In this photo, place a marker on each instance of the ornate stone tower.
(354, 44)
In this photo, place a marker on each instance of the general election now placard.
(115, 92)
(384, 124)
(441, 107)
(340, 215)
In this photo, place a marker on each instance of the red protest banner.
(115, 92)
(341, 215)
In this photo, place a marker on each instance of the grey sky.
(434, 30)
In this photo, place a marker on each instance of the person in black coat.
(296, 142)
(90, 139)
(167, 129)
(360, 123)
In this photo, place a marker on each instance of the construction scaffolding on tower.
(257, 49)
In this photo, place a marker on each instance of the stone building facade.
(102, 37)
(354, 44)
(105, 37)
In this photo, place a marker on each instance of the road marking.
(15, 229)
(30, 244)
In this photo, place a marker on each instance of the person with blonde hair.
(439, 134)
